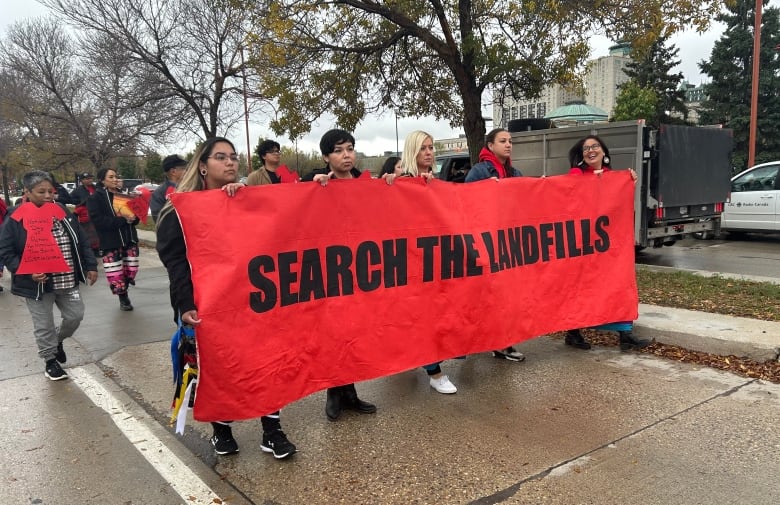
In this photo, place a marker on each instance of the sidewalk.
(696, 331)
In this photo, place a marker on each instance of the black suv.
(453, 167)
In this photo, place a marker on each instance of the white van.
(755, 200)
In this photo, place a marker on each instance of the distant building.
(694, 96)
(552, 97)
(577, 113)
(604, 76)
(602, 79)
(457, 144)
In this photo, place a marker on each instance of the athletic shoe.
(510, 354)
(54, 371)
(443, 385)
(276, 442)
(60, 356)
(223, 440)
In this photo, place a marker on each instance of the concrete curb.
(711, 333)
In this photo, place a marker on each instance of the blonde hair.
(412, 145)
(193, 180)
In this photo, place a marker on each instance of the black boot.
(333, 403)
(350, 400)
(628, 341)
(124, 302)
(574, 338)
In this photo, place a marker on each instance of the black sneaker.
(60, 356)
(223, 440)
(54, 371)
(277, 443)
(509, 353)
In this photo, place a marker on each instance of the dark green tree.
(154, 171)
(635, 102)
(731, 68)
(650, 69)
(126, 168)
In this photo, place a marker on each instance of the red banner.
(301, 287)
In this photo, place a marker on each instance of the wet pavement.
(565, 426)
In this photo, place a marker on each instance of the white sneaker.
(443, 385)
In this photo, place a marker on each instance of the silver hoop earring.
(606, 160)
(203, 173)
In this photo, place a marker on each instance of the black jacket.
(79, 195)
(173, 254)
(113, 231)
(13, 238)
(325, 171)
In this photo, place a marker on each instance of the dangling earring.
(581, 163)
(606, 160)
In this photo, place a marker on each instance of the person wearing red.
(589, 157)
(78, 197)
(495, 162)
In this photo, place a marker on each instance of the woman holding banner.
(588, 157)
(417, 161)
(214, 166)
(338, 153)
(495, 162)
(115, 226)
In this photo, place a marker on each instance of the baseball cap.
(173, 161)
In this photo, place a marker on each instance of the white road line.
(183, 480)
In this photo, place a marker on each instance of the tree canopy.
(353, 57)
(729, 93)
(650, 68)
(635, 102)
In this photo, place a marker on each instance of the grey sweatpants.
(47, 336)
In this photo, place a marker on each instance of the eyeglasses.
(592, 147)
(224, 157)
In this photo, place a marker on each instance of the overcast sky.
(375, 135)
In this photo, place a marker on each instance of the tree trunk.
(473, 123)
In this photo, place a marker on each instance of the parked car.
(452, 167)
(146, 185)
(754, 205)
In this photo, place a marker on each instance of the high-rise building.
(603, 77)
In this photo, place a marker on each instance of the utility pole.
(754, 93)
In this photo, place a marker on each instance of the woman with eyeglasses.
(495, 162)
(214, 166)
(117, 236)
(271, 169)
(590, 156)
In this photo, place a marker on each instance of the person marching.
(78, 197)
(117, 235)
(174, 168)
(43, 290)
(214, 166)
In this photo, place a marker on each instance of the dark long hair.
(389, 166)
(490, 138)
(576, 157)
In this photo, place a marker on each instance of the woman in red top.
(590, 156)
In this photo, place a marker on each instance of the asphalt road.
(753, 254)
(563, 427)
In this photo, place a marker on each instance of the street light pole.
(397, 152)
(754, 93)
